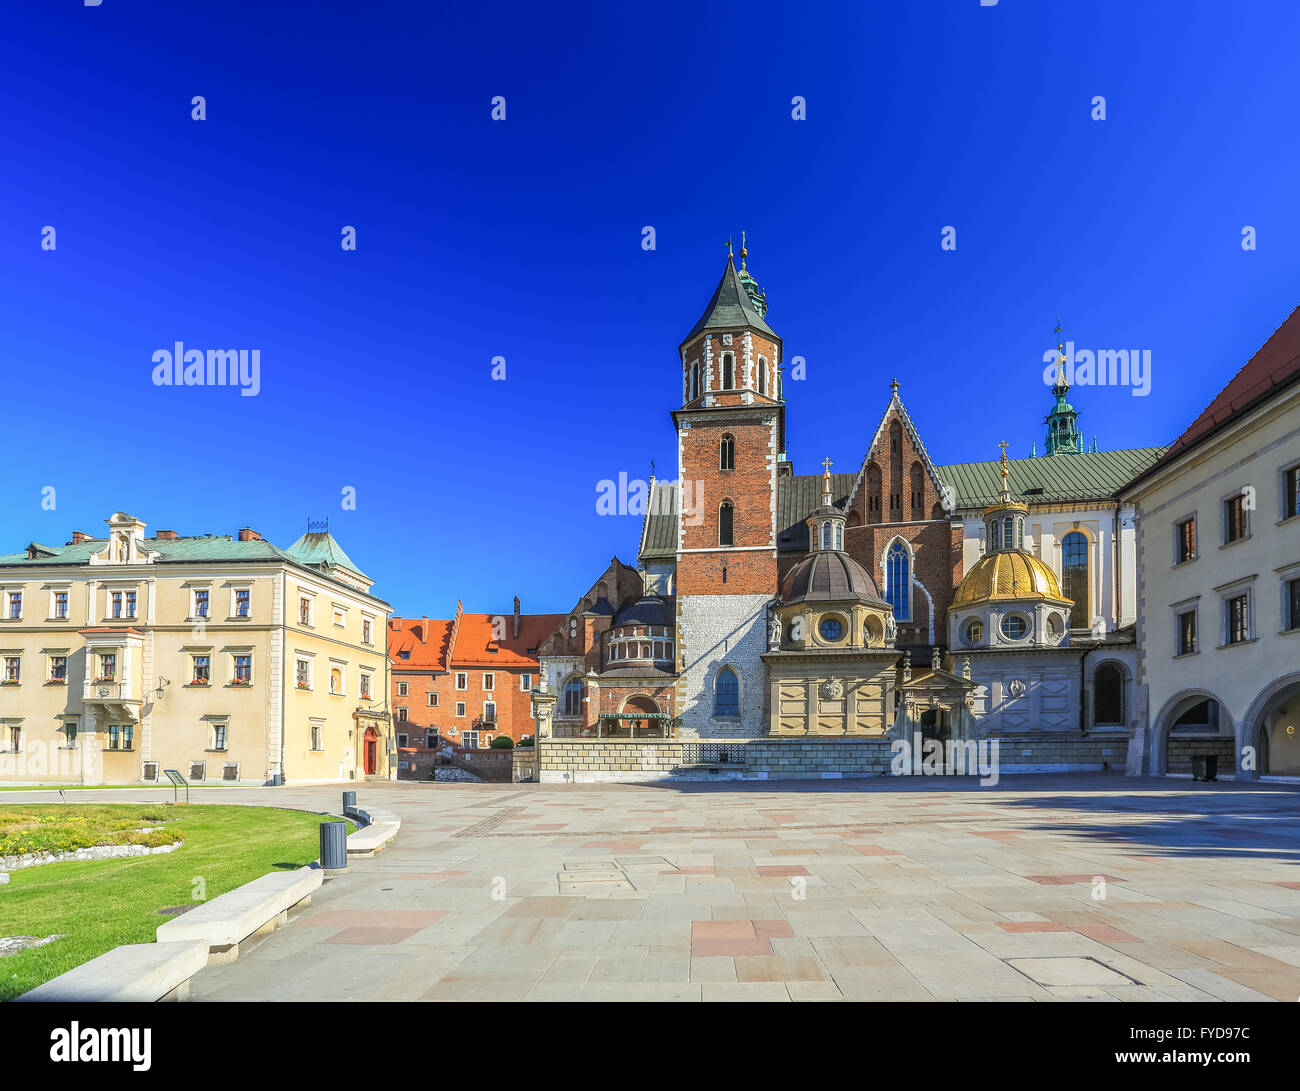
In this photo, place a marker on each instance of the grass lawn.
(101, 904)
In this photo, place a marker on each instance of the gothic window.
(695, 380)
(574, 691)
(875, 488)
(726, 524)
(1074, 575)
(1108, 695)
(918, 490)
(726, 694)
(898, 581)
(728, 371)
(727, 453)
(762, 375)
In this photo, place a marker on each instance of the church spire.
(1062, 429)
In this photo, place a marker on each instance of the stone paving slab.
(886, 890)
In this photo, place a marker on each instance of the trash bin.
(1205, 767)
(275, 780)
(334, 846)
(349, 802)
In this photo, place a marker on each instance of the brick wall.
(514, 705)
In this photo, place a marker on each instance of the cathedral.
(990, 599)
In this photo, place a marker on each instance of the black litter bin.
(349, 802)
(1205, 767)
(334, 846)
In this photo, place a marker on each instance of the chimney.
(166, 535)
(78, 536)
(424, 630)
(516, 637)
(248, 534)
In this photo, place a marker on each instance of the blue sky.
(522, 239)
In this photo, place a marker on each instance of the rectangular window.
(58, 668)
(462, 681)
(401, 715)
(128, 732)
(15, 605)
(130, 604)
(1292, 591)
(302, 675)
(1291, 494)
(218, 736)
(13, 669)
(402, 688)
(365, 687)
(489, 712)
(117, 603)
(460, 709)
(202, 669)
(469, 740)
(489, 681)
(243, 670)
(16, 739)
(433, 700)
(367, 632)
(242, 601)
(304, 610)
(114, 737)
(1187, 633)
(201, 603)
(317, 742)
(1185, 540)
(525, 682)
(60, 604)
(1238, 611)
(401, 739)
(1234, 519)
(107, 667)
(70, 734)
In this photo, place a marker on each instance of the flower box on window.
(199, 682)
(104, 678)
(241, 681)
(58, 681)
(303, 685)
(9, 682)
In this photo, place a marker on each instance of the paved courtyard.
(1044, 888)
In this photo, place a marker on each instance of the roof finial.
(826, 476)
(893, 386)
(744, 253)
(1006, 488)
(730, 255)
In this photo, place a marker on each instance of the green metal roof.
(730, 308)
(1091, 475)
(1088, 475)
(207, 548)
(319, 547)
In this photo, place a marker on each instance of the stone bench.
(134, 974)
(373, 839)
(252, 909)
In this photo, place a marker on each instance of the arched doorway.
(371, 752)
(1193, 724)
(1272, 727)
(635, 719)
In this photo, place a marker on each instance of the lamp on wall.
(163, 683)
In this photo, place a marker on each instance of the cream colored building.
(1219, 579)
(226, 659)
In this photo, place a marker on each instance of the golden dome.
(1010, 574)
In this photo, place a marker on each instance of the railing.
(713, 753)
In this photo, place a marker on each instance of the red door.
(372, 748)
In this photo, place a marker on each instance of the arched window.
(1108, 695)
(728, 371)
(695, 380)
(727, 453)
(826, 536)
(574, 691)
(726, 524)
(898, 581)
(1074, 576)
(762, 375)
(726, 694)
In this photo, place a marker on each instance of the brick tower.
(730, 430)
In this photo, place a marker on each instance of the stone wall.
(1182, 749)
(1059, 752)
(718, 630)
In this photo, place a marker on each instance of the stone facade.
(714, 631)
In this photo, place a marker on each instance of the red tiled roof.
(427, 640)
(1274, 366)
(476, 637)
(465, 641)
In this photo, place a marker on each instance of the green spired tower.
(1062, 431)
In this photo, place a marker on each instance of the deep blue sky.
(522, 239)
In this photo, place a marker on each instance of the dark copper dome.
(830, 576)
